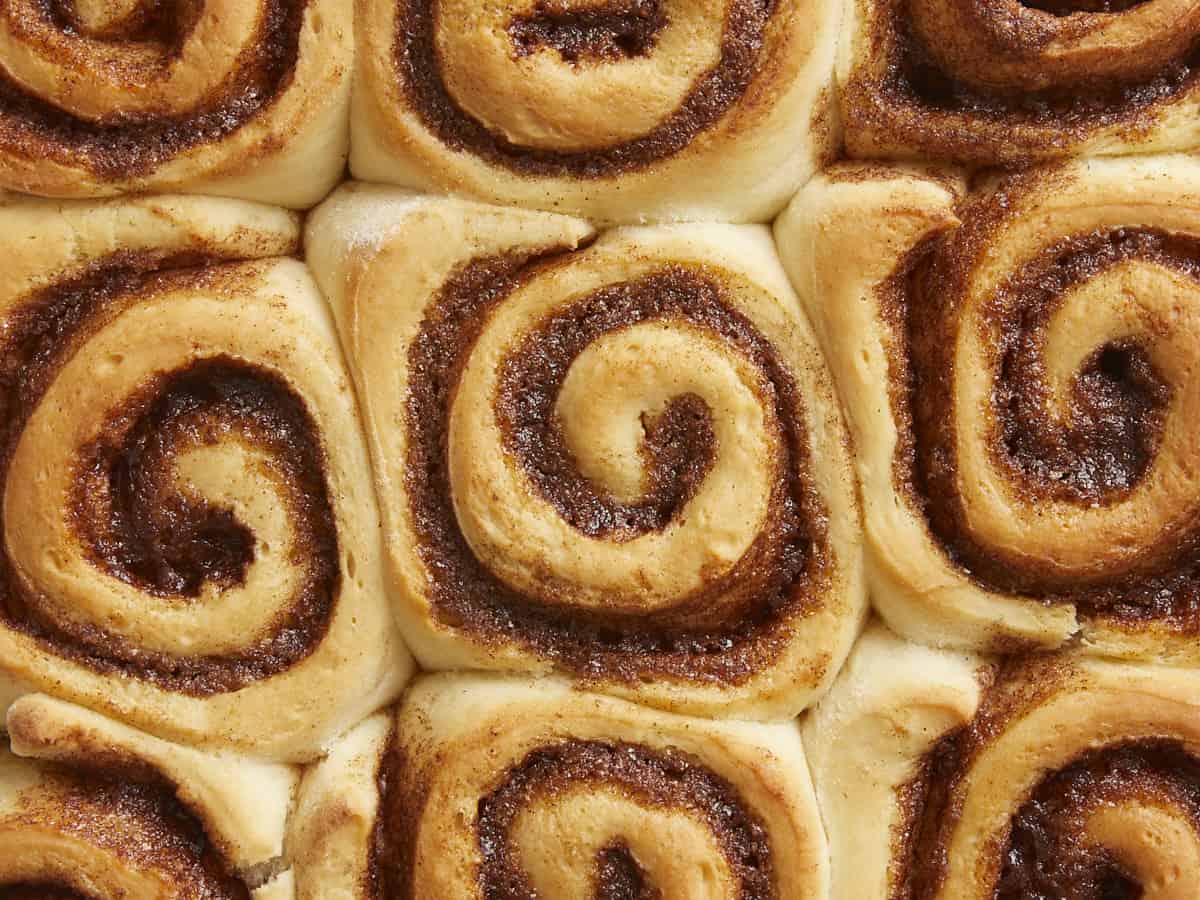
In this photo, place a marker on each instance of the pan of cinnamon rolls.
(599, 449)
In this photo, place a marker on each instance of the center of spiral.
(131, 517)
(610, 31)
(679, 444)
(150, 533)
(619, 877)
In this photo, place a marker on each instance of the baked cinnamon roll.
(1021, 394)
(940, 775)
(90, 808)
(243, 98)
(486, 788)
(629, 111)
(619, 458)
(1012, 81)
(190, 537)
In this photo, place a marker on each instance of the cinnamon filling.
(1086, 103)
(918, 100)
(602, 33)
(1072, 7)
(619, 877)
(1046, 852)
(35, 128)
(134, 522)
(1097, 457)
(133, 814)
(622, 30)
(732, 628)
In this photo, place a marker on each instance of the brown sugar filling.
(1046, 852)
(621, 30)
(914, 100)
(1071, 7)
(620, 877)
(732, 628)
(123, 147)
(1102, 453)
(606, 33)
(1080, 106)
(132, 813)
(133, 522)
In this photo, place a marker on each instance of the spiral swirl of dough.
(948, 776)
(618, 110)
(184, 547)
(244, 99)
(90, 808)
(485, 787)
(1024, 397)
(1008, 81)
(624, 462)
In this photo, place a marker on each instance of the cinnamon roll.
(618, 458)
(1012, 81)
(189, 533)
(1050, 775)
(485, 788)
(1021, 396)
(617, 110)
(244, 98)
(90, 808)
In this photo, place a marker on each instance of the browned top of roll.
(1046, 852)
(915, 97)
(128, 514)
(585, 37)
(1098, 458)
(786, 564)
(133, 813)
(668, 779)
(124, 146)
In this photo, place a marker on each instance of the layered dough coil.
(942, 775)
(90, 808)
(1022, 393)
(623, 461)
(485, 788)
(190, 539)
(625, 111)
(243, 98)
(1009, 81)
